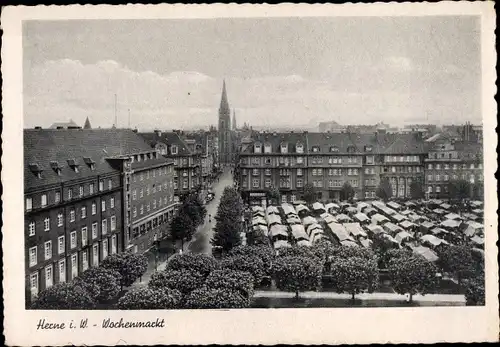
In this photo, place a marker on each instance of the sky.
(279, 72)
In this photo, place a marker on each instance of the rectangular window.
(46, 224)
(101, 185)
(72, 236)
(148, 207)
(320, 172)
(85, 260)
(72, 215)
(48, 250)
(84, 236)
(134, 194)
(429, 178)
(142, 209)
(57, 198)
(44, 200)
(33, 256)
(34, 285)
(141, 193)
(94, 208)
(112, 203)
(95, 254)
(110, 184)
(48, 276)
(29, 204)
(104, 248)
(91, 188)
(255, 183)
(74, 265)
(103, 205)
(104, 227)
(62, 270)
(60, 219)
(113, 223)
(94, 230)
(134, 212)
(84, 212)
(61, 247)
(80, 191)
(438, 178)
(113, 243)
(154, 204)
(31, 229)
(70, 193)
(299, 182)
(268, 183)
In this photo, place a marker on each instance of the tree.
(64, 296)
(457, 260)
(474, 292)
(309, 193)
(411, 275)
(265, 253)
(258, 238)
(354, 274)
(182, 227)
(228, 227)
(296, 274)
(459, 190)
(130, 266)
(273, 195)
(183, 280)
(103, 284)
(232, 280)
(478, 191)
(384, 190)
(145, 298)
(193, 208)
(385, 250)
(200, 263)
(417, 190)
(226, 236)
(347, 191)
(213, 298)
(246, 263)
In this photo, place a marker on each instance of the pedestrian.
(210, 218)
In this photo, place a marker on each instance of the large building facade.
(326, 161)
(186, 159)
(76, 189)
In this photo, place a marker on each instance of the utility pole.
(116, 119)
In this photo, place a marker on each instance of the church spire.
(233, 123)
(224, 104)
(87, 124)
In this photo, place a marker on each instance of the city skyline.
(350, 70)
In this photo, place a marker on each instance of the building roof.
(169, 138)
(63, 125)
(49, 150)
(276, 139)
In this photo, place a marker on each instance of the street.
(201, 239)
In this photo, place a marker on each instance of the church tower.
(233, 123)
(224, 135)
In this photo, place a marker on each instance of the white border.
(256, 326)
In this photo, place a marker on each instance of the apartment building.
(328, 160)
(187, 163)
(73, 201)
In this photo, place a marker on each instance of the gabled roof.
(169, 138)
(64, 125)
(276, 139)
(48, 149)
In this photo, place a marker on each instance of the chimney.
(135, 130)
(59, 127)
(158, 132)
(73, 127)
(38, 127)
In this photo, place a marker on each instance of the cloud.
(63, 89)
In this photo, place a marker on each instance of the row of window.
(57, 197)
(61, 242)
(314, 172)
(72, 218)
(471, 178)
(401, 158)
(161, 201)
(403, 169)
(370, 160)
(299, 148)
(447, 166)
(152, 173)
(48, 272)
(153, 190)
(369, 195)
(149, 225)
(286, 183)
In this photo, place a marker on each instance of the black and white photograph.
(247, 163)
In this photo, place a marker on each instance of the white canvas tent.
(273, 219)
(403, 236)
(339, 231)
(361, 217)
(317, 206)
(379, 219)
(278, 230)
(355, 229)
(299, 232)
(301, 208)
(272, 210)
(433, 240)
(288, 209)
(308, 220)
(427, 253)
(394, 205)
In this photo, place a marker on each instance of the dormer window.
(351, 149)
(315, 149)
(174, 149)
(334, 149)
(368, 148)
(90, 163)
(36, 169)
(267, 148)
(300, 148)
(73, 164)
(258, 148)
(284, 148)
(55, 166)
